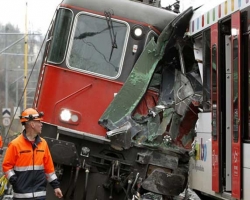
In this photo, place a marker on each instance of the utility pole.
(25, 60)
(6, 80)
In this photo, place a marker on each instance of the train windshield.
(98, 45)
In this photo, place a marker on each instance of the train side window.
(235, 90)
(214, 69)
(235, 71)
(98, 48)
(60, 36)
(207, 70)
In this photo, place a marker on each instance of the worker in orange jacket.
(28, 163)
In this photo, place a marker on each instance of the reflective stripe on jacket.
(31, 163)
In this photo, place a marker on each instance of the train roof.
(211, 12)
(157, 17)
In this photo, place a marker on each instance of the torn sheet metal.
(183, 90)
(133, 89)
(167, 90)
(151, 196)
(121, 108)
(161, 125)
(164, 183)
(168, 128)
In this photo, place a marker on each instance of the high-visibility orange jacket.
(28, 167)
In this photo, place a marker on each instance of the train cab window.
(60, 36)
(98, 46)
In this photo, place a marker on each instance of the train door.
(226, 108)
(225, 96)
(236, 106)
(216, 109)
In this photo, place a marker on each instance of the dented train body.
(120, 89)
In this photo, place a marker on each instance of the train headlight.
(137, 32)
(65, 115)
(74, 118)
(70, 116)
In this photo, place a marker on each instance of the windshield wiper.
(88, 34)
(111, 32)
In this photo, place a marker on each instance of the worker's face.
(37, 126)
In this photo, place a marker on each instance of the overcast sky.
(40, 12)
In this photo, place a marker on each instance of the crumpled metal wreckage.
(169, 127)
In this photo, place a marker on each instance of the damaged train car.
(120, 89)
